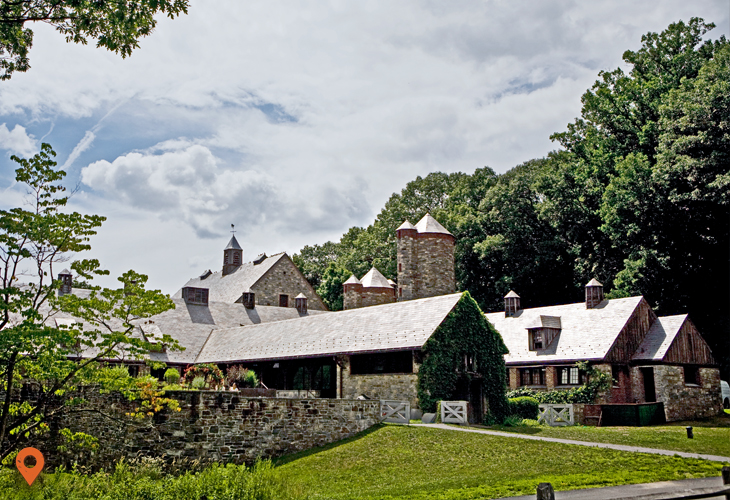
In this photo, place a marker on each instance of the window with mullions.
(568, 375)
(532, 376)
(195, 295)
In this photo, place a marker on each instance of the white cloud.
(17, 141)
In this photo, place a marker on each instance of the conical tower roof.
(406, 225)
(430, 225)
(233, 244)
(594, 282)
(374, 279)
(352, 280)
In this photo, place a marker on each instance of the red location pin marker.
(29, 474)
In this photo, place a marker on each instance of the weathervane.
(232, 230)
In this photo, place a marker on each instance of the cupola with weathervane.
(232, 255)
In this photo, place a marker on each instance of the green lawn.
(709, 440)
(400, 462)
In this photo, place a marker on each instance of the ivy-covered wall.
(464, 347)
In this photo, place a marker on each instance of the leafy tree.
(38, 350)
(116, 26)
(313, 260)
(330, 289)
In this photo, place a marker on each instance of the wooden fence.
(454, 412)
(556, 415)
(395, 412)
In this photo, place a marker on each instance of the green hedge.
(524, 407)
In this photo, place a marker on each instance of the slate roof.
(406, 225)
(352, 280)
(233, 244)
(430, 225)
(586, 334)
(229, 288)
(375, 279)
(659, 338)
(396, 326)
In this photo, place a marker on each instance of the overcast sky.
(295, 121)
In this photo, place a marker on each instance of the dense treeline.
(637, 197)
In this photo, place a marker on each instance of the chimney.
(511, 304)
(66, 282)
(232, 256)
(594, 294)
(249, 299)
(301, 301)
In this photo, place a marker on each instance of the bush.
(242, 377)
(172, 376)
(524, 407)
(212, 375)
(512, 421)
(597, 382)
(198, 383)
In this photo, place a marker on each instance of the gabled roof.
(430, 225)
(659, 338)
(229, 288)
(375, 279)
(388, 327)
(233, 244)
(586, 334)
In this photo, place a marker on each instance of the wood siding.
(689, 347)
(632, 334)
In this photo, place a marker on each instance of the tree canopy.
(51, 342)
(116, 26)
(638, 197)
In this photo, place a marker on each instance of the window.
(382, 362)
(194, 295)
(470, 362)
(532, 376)
(283, 300)
(568, 375)
(536, 340)
(691, 375)
(400, 267)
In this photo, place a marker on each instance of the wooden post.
(545, 491)
(725, 479)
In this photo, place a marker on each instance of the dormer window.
(537, 339)
(193, 295)
(543, 333)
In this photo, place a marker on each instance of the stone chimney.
(511, 304)
(232, 256)
(352, 296)
(594, 294)
(249, 299)
(301, 301)
(66, 279)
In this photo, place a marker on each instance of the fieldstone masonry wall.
(221, 426)
(394, 386)
(285, 278)
(435, 265)
(687, 401)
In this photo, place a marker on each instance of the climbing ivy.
(464, 338)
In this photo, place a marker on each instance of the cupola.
(301, 303)
(511, 304)
(249, 299)
(232, 256)
(66, 279)
(594, 294)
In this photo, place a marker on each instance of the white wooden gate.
(395, 412)
(556, 415)
(453, 412)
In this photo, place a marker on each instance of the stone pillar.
(407, 248)
(514, 378)
(551, 378)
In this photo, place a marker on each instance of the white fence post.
(453, 412)
(556, 415)
(395, 412)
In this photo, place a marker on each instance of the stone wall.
(352, 296)
(435, 265)
(375, 296)
(220, 426)
(407, 248)
(687, 401)
(393, 386)
(285, 278)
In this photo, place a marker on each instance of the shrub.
(198, 383)
(524, 407)
(212, 375)
(597, 382)
(512, 421)
(242, 377)
(172, 376)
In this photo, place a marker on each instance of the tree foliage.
(464, 347)
(38, 349)
(116, 26)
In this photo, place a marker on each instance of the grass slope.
(399, 462)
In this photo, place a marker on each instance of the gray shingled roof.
(352, 280)
(396, 326)
(586, 334)
(375, 279)
(230, 287)
(430, 225)
(660, 337)
(406, 225)
(233, 244)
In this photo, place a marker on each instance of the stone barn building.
(650, 358)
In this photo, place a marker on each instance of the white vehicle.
(725, 394)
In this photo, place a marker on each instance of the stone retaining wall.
(219, 426)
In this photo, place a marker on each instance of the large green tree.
(116, 26)
(40, 352)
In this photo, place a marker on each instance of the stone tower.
(232, 256)
(352, 295)
(425, 260)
